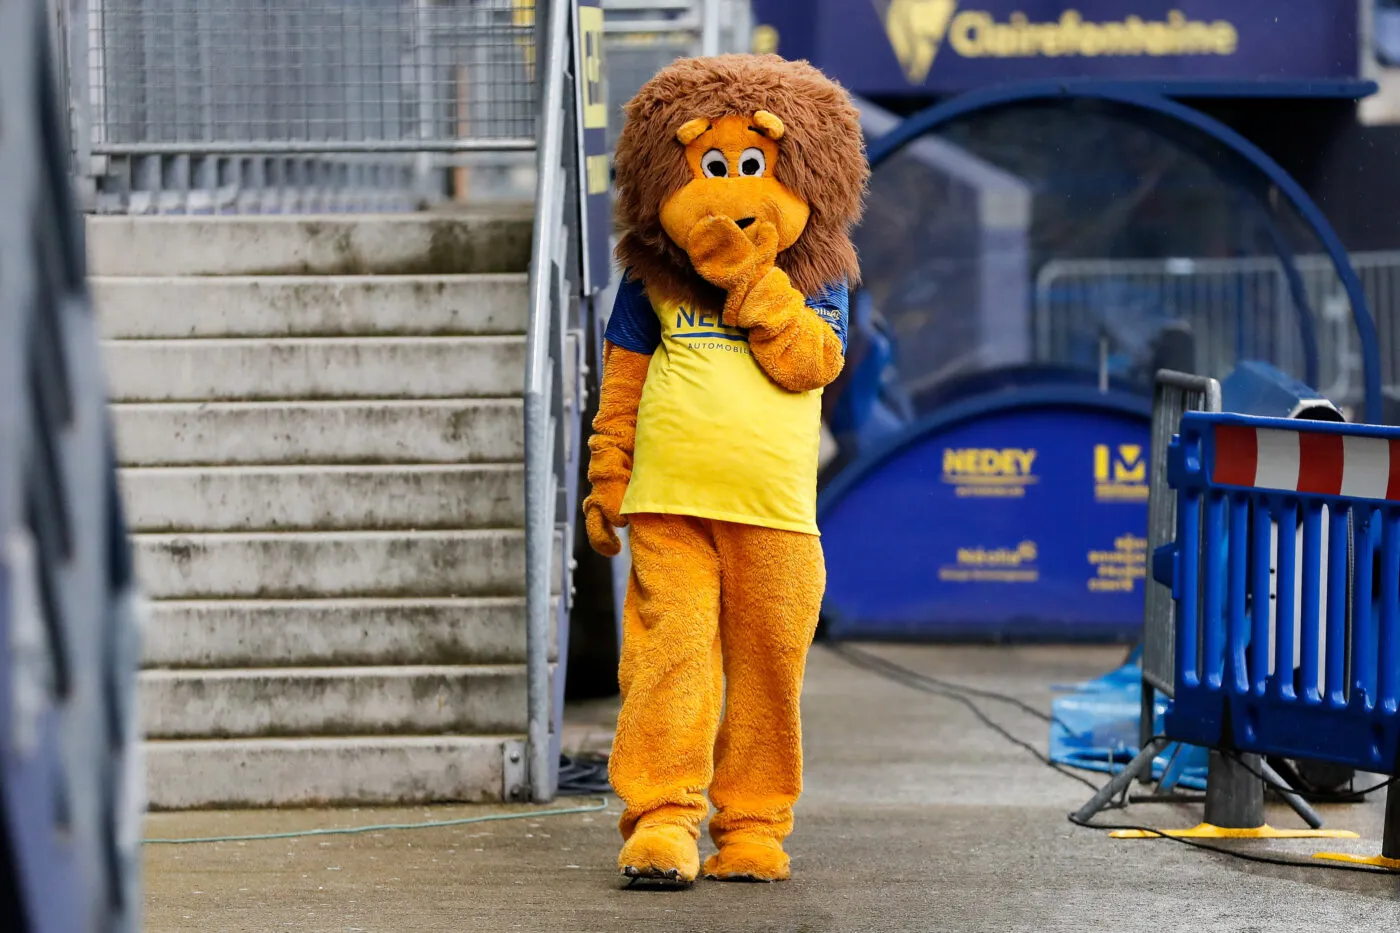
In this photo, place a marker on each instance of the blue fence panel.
(1286, 576)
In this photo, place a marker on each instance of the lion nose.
(745, 222)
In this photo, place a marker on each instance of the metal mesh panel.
(1237, 308)
(644, 36)
(1380, 281)
(256, 106)
(1174, 395)
(632, 60)
(248, 76)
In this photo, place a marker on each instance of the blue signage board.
(877, 47)
(1014, 521)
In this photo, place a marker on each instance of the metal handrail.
(314, 147)
(544, 388)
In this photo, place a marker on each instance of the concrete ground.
(915, 818)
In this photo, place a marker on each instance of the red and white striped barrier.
(1307, 462)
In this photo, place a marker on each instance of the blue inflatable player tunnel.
(1033, 251)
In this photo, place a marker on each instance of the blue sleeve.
(633, 324)
(833, 304)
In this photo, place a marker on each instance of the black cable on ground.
(874, 659)
(917, 681)
(921, 682)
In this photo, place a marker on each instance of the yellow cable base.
(1207, 831)
(1376, 861)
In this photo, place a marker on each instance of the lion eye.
(714, 164)
(752, 163)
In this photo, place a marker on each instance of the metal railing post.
(422, 59)
(543, 384)
(709, 27)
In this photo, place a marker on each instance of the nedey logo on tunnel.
(991, 472)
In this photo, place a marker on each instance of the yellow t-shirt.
(717, 438)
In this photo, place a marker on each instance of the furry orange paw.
(662, 852)
(729, 257)
(600, 521)
(750, 859)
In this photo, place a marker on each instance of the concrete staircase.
(320, 427)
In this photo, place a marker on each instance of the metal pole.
(1147, 714)
(422, 57)
(709, 27)
(1139, 766)
(1299, 805)
(1390, 843)
(1234, 795)
(740, 25)
(551, 22)
(1103, 360)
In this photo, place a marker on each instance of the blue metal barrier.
(1313, 676)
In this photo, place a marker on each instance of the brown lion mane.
(822, 160)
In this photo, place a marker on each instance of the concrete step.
(259, 369)
(335, 632)
(317, 306)
(332, 701)
(314, 565)
(323, 498)
(497, 240)
(439, 431)
(322, 772)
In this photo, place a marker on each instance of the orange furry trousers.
(718, 619)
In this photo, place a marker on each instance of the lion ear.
(769, 123)
(688, 132)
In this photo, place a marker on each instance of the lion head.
(746, 136)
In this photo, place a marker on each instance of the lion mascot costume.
(739, 178)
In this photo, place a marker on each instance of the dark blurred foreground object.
(71, 780)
